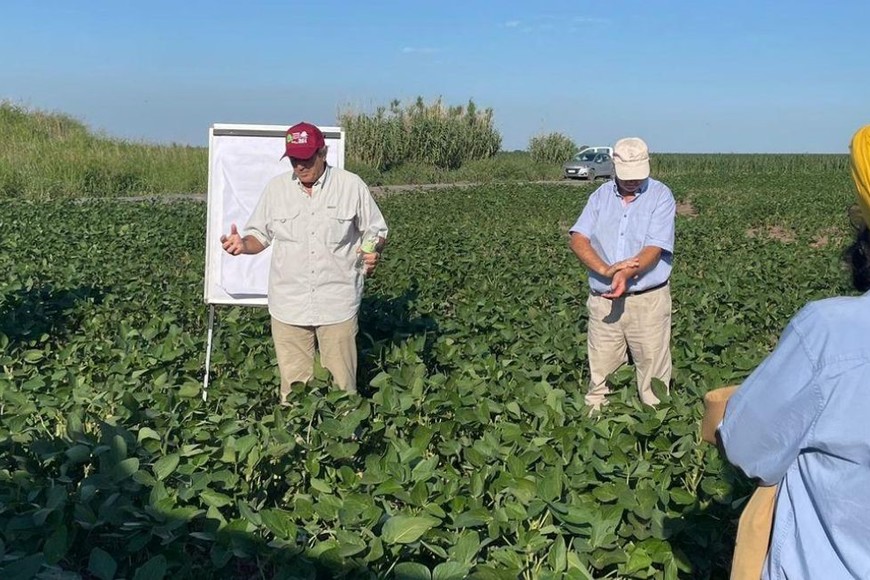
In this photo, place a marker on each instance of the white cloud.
(545, 23)
(589, 20)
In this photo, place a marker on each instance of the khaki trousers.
(294, 348)
(639, 324)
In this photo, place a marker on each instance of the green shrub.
(432, 134)
(551, 148)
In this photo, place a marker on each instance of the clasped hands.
(620, 273)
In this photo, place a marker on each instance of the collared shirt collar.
(320, 180)
(642, 189)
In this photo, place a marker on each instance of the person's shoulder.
(834, 327)
(658, 187)
(280, 180)
(277, 186)
(836, 312)
(603, 190)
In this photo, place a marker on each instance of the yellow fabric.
(861, 169)
(753, 535)
(756, 521)
(714, 411)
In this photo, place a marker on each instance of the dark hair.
(858, 257)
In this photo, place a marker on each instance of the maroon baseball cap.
(303, 141)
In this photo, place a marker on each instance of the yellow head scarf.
(860, 148)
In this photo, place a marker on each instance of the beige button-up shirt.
(314, 278)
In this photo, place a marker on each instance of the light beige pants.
(640, 324)
(294, 348)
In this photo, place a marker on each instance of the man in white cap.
(625, 238)
(316, 218)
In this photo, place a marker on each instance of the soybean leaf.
(164, 466)
(153, 569)
(23, 569)
(450, 571)
(406, 529)
(101, 564)
(56, 545)
(411, 571)
(125, 468)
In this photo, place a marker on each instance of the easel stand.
(210, 337)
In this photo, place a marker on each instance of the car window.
(584, 156)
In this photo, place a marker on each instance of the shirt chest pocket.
(286, 227)
(340, 225)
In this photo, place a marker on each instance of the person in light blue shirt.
(802, 421)
(625, 238)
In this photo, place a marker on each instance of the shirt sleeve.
(370, 216)
(661, 226)
(769, 419)
(258, 223)
(585, 224)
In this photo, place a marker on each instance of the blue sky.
(738, 76)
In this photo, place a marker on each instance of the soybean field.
(469, 453)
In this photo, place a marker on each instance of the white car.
(589, 165)
(608, 150)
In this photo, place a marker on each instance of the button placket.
(623, 226)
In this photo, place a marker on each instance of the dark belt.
(637, 292)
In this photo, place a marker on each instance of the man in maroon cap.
(316, 218)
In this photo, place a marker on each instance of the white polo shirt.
(313, 278)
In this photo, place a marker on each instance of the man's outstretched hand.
(233, 243)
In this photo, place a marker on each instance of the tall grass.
(552, 148)
(431, 134)
(52, 155)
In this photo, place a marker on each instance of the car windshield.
(584, 157)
